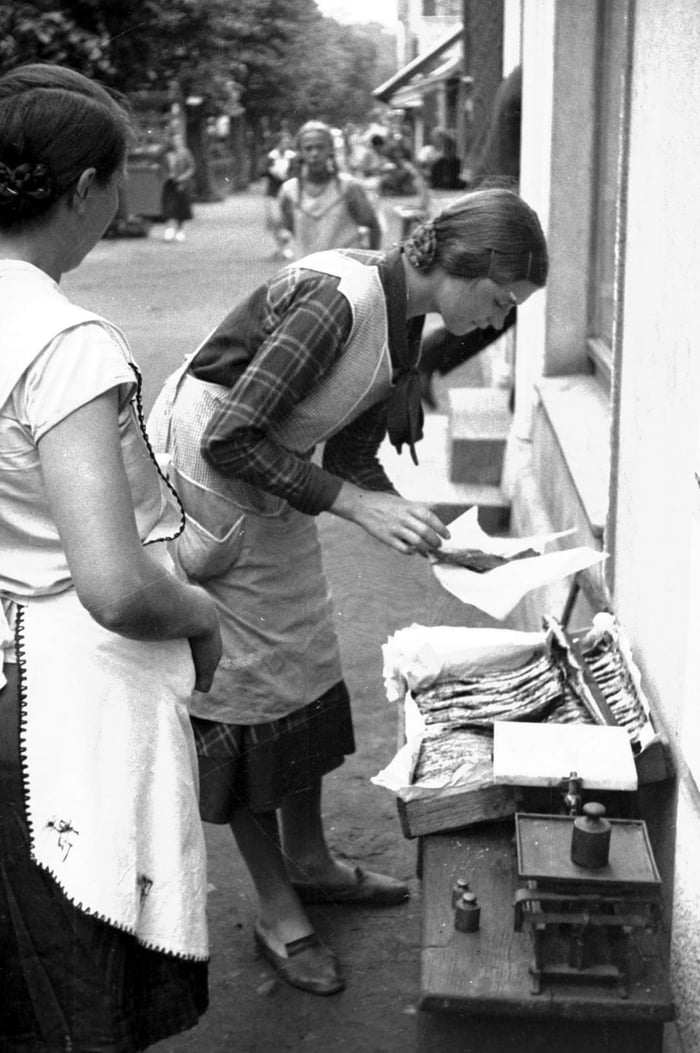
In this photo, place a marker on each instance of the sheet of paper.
(544, 754)
(420, 655)
(498, 591)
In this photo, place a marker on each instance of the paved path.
(166, 297)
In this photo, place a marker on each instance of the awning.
(422, 69)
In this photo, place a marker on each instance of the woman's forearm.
(149, 603)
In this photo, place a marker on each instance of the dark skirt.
(259, 765)
(176, 202)
(68, 980)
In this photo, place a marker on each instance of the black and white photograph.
(349, 526)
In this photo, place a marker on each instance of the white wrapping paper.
(498, 591)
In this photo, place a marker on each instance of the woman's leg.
(308, 856)
(316, 873)
(280, 912)
(283, 932)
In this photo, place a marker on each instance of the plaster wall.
(657, 521)
(654, 522)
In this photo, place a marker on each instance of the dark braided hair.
(54, 124)
(490, 233)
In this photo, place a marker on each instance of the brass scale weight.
(590, 891)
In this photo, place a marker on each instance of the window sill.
(577, 411)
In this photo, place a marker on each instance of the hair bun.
(27, 183)
(421, 247)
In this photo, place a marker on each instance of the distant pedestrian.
(177, 191)
(323, 208)
(279, 167)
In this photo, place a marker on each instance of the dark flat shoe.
(372, 889)
(309, 965)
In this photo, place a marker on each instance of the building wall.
(645, 435)
(658, 507)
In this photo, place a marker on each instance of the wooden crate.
(443, 810)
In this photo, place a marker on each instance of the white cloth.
(111, 767)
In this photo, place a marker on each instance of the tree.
(35, 31)
(337, 66)
(285, 59)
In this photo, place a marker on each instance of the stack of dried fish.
(525, 693)
(568, 710)
(609, 668)
(459, 714)
(444, 750)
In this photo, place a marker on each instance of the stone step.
(430, 480)
(479, 421)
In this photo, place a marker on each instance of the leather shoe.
(372, 889)
(308, 964)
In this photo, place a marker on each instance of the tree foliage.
(281, 56)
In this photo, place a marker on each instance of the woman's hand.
(407, 526)
(206, 649)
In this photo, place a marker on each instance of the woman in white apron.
(325, 352)
(103, 940)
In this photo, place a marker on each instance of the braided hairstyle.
(54, 124)
(489, 233)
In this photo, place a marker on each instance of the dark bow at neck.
(405, 408)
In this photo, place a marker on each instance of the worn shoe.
(372, 889)
(180, 235)
(307, 964)
(168, 234)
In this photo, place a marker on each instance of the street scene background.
(167, 297)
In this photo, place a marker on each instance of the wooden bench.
(475, 987)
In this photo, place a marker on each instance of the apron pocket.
(214, 530)
(203, 555)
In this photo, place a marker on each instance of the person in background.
(279, 165)
(326, 351)
(429, 154)
(177, 189)
(103, 939)
(497, 164)
(323, 208)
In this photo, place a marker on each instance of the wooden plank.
(455, 808)
(486, 973)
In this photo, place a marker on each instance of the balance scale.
(591, 917)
